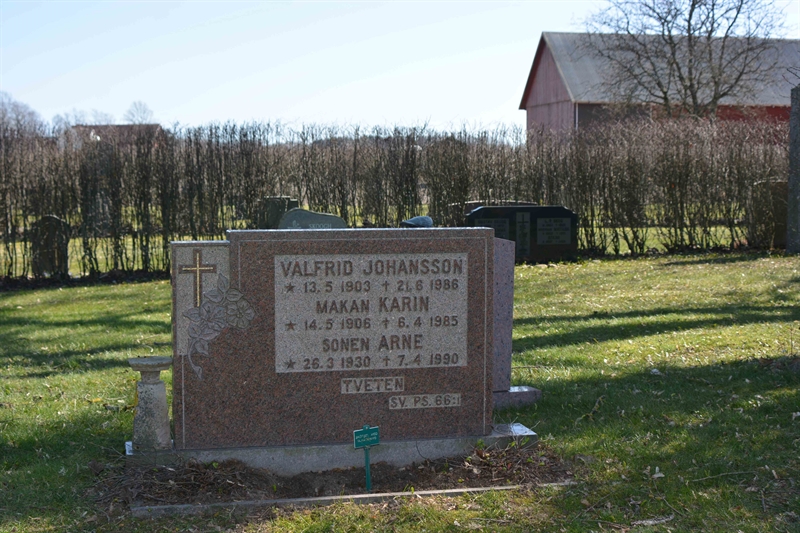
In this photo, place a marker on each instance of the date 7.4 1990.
(366, 362)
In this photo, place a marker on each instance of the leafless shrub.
(682, 184)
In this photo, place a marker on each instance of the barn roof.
(582, 71)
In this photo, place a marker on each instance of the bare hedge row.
(672, 185)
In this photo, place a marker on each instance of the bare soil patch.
(229, 481)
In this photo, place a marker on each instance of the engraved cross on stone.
(198, 269)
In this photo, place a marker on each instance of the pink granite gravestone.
(504, 394)
(503, 312)
(286, 338)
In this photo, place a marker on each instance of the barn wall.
(594, 114)
(549, 104)
(548, 86)
(556, 116)
(778, 113)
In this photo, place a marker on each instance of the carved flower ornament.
(221, 308)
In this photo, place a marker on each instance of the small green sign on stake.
(365, 438)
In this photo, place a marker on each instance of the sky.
(446, 64)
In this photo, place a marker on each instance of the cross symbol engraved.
(198, 268)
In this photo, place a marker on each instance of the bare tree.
(686, 55)
(100, 117)
(17, 115)
(138, 113)
(76, 117)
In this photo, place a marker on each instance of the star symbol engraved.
(290, 364)
(290, 326)
(289, 288)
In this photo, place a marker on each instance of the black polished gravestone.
(541, 233)
(269, 210)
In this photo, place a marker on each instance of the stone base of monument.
(516, 397)
(293, 460)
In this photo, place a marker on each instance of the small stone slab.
(516, 397)
(302, 219)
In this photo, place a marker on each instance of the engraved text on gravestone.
(370, 312)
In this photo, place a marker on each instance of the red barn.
(566, 88)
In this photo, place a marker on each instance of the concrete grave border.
(195, 509)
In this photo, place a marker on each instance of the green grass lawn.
(667, 381)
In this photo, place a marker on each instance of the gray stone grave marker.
(303, 219)
(767, 220)
(50, 247)
(793, 207)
